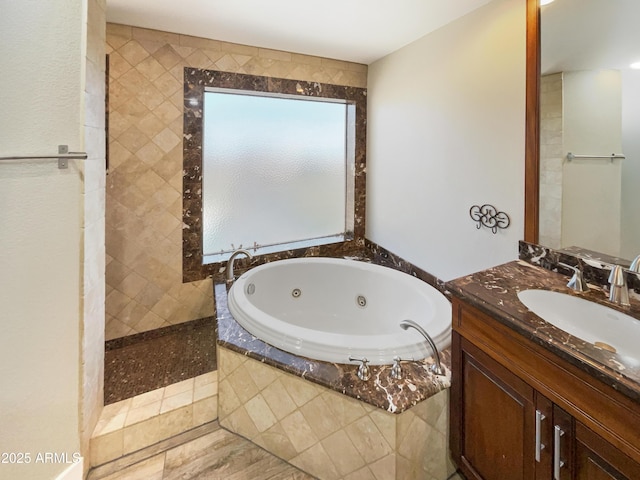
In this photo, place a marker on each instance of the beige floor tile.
(110, 424)
(192, 458)
(223, 455)
(107, 447)
(150, 469)
(176, 401)
(147, 398)
(205, 411)
(175, 421)
(180, 387)
(206, 378)
(142, 413)
(115, 409)
(141, 435)
(205, 390)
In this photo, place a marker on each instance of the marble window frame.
(195, 82)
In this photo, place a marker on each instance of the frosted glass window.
(274, 172)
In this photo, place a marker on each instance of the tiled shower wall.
(551, 153)
(93, 290)
(144, 187)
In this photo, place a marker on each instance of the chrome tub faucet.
(364, 372)
(396, 370)
(436, 367)
(240, 251)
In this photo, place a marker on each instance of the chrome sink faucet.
(240, 251)
(437, 367)
(577, 282)
(618, 289)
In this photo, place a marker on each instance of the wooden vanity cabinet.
(520, 412)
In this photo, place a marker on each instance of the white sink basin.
(589, 321)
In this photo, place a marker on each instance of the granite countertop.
(394, 396)
(495, 292)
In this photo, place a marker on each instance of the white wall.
(446, 131)
(630, 217)
(42, 237)
(591, 188)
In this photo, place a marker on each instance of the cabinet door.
(496, 419)
(597, 459)
(543, 432)
(562, 440)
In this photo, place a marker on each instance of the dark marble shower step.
(146, 361)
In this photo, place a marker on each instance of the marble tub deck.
(394, 396)
(321, 418)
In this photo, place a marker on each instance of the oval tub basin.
(330, 309)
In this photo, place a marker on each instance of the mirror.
(586, 102)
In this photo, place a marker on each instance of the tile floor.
(211, 453)
(217, 454)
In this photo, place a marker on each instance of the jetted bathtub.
(330, 309)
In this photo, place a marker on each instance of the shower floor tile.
(147, 361)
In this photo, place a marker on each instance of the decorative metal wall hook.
(488, 216)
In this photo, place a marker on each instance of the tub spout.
(240, 251)
(436, 367)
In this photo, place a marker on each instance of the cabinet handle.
(539, 445)
(557, 463)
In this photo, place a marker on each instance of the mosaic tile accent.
(145, 288)
(195, 81)
(327, 434)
